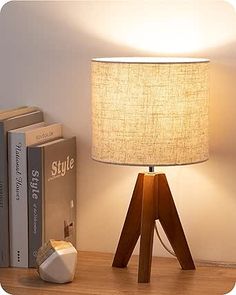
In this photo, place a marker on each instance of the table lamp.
(150, 112)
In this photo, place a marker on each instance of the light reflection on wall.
(172, 36)
(232, 2)
(164, 27)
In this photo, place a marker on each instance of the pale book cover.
(9, 120)
(19, 140)
(10, 110)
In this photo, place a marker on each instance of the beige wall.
(45, 52)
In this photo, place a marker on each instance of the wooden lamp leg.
(131, 229)
(169, 219)
(151, 200)
(147, 227)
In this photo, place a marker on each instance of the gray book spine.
(35, 201)
(5, 126)
(4, 226)
(52, 193)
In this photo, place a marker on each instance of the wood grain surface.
(96, 276)
(151, 200)
(131, 229)
(171, 224)
(147, 228)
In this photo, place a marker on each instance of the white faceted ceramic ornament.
(57, 262)
(233, 291)
(2, 291)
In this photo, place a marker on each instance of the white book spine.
(18, 205)
(18, 187)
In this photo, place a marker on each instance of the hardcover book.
(10, 120)
(18, 140)
(52, 193)
(11, 110)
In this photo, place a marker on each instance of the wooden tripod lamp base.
(151, 200)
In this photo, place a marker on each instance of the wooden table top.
(95, 276)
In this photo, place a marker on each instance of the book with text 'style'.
(10, 120)
(52, 193)
(18, 141)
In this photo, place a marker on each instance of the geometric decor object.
(3, 292)
(56, 261)
(232, 292)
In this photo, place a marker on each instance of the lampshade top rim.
(150, 60)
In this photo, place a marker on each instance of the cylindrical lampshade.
(150, 111)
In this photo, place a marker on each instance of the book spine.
(6, 125)
(35, 202)
(4, 229)
(18, 217)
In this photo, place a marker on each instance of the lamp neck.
(151, 168)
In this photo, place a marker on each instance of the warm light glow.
(232, 2)
(174, 34)
(156, 27)
(150, 111)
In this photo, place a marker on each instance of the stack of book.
(37, 185)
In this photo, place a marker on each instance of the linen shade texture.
(150, 111)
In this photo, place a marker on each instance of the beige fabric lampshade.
(150, 111)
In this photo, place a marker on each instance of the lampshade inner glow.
(151, 60)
